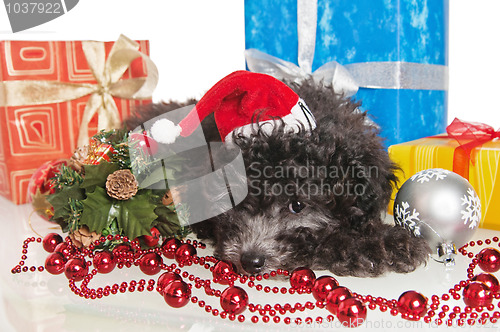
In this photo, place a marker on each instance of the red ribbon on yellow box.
(469, 149)
(469, 136)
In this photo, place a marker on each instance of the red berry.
(50, 241)
(152, 240)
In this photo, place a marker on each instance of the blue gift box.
(356, 31)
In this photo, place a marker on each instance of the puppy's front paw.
(405, 251)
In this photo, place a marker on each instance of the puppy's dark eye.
(296, 206)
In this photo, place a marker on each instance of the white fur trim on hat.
(300, 116)
(165, 131)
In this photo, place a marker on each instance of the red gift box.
(56, 94)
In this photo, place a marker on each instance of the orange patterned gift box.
(481, 167)
(56, 94)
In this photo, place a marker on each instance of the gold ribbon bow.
(107, 74)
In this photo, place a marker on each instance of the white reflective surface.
(42, 302)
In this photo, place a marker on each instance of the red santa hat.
(237, 101)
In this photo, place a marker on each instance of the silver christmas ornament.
(440, 206)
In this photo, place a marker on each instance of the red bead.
(63, 248)
(223, 272)
(76, 269)
(54, 263)
(412, 303)
(152, 240)
(177, 294)
(104, 262)
(140, 141)
(184, 253)
(150, 263)
(490, 280)
(336, 295)
(234, 300)
(489, 260)
(302, 278)
(351, 312)
(165, 279)
(322, 286)
(50, 241)
(121, 250)
(476, 294)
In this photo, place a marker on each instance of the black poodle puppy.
(315, 198)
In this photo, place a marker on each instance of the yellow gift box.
(445, 151)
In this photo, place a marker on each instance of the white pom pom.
(165, 131)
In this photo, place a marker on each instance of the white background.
(196, 42)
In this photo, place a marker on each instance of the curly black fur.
(341, 177)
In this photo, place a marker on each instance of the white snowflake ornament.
(440, 206)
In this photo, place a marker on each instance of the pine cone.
(121, 184)
(78, 158)
(83, 237)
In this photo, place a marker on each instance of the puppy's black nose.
(252, 262)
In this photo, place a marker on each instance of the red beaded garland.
(302, 278)
(490, 280)
(184, 253)
(223, 272)
(322, 286)
(177, 294)
(50, 241)
(104, 261)
(234, 300)
(489, 260)
(335, 296)
(169, 246)
(476, 294)
(150, 263)
(412, 304)
(122, 250)
(165, 279)
(54, 263)
(63, 248)
(76, 269)
(351, 312)
(267, 312)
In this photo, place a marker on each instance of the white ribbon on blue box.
(393, 51)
